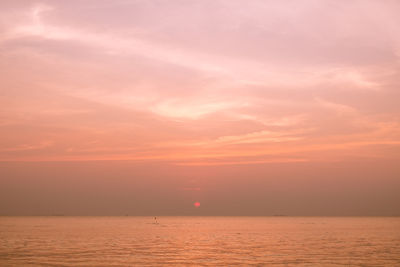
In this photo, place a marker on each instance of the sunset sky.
(247, 107)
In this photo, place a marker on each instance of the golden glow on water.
(210, 241)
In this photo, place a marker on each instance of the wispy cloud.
(212, 83)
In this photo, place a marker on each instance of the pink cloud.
(210, 81)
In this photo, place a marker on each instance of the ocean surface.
(199, 241)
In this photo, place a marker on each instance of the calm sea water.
(210, 241)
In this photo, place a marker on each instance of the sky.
(147, 107)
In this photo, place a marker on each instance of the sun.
(197, 204)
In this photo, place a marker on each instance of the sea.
(199, 241)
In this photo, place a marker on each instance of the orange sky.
(202, 85)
